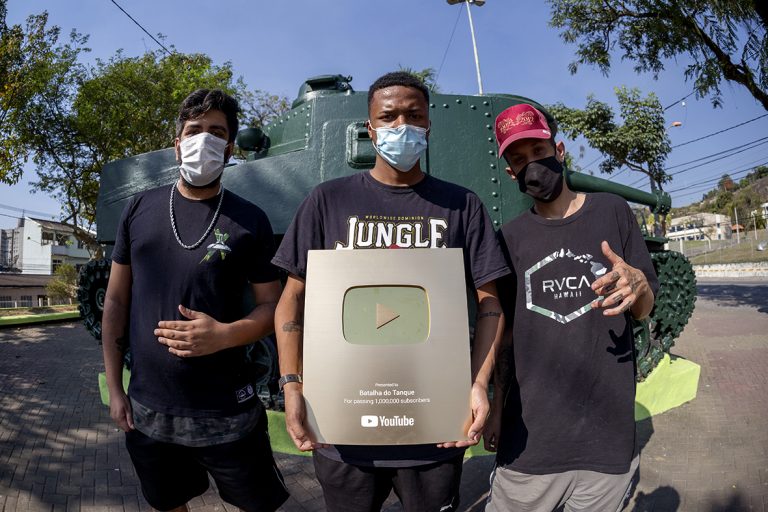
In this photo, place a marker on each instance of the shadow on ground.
(50, 422)
(736, 295)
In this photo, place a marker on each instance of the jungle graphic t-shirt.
(359, 212)
(571, 402)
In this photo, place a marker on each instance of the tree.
(426, 75)
(35, 72)
(641, 143)
(726, 183)
(73, 118)
(726, 39)
(64, 283)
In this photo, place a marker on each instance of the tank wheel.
(261, 361)
(91, 290)
(672, 309)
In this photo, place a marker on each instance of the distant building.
(700, 226)
(39, 246)
(762, 212)
(25, 291)
(9, 250)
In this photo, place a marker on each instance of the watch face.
(385, 315)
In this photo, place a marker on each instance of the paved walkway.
(59, 450)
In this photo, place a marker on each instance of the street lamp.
(478, 3)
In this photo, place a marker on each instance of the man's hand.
(480, 407)
(120, 410)
(201, 335)
(621, 287)
(296, 418)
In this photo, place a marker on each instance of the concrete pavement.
(60, 451)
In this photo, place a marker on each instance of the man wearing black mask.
(563, 417)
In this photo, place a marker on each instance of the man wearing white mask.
(184, 257)
(394, 205)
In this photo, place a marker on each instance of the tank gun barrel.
(658, 200)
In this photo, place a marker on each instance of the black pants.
(350, 488)
(244, 471)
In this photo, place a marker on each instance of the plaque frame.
(341, 377)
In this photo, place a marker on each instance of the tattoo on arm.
(293, 326)
(489, 313)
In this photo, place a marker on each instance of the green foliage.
(640, 143)
(726, 39)
(36, 77)
(426, 75)
(64, 283)
(72, 119)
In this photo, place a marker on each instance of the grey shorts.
(571, 490)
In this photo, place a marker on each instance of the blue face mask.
(401, 147)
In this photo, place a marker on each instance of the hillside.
(745, 196)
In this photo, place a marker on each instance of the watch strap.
(290, 377)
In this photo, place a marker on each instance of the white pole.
(754, 225)
(738, 231)
(474, 47)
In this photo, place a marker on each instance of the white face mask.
(402, 146)
(202, 158)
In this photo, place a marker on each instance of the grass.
(37, 310)
(746, 252)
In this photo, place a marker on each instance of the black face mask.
(542, 179)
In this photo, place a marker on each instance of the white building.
(700, 226)
(39, 246)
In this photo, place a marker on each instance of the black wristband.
(291, 377)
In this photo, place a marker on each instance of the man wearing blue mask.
(184, 256)
(394, 205)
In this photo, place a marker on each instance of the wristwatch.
(291, 377)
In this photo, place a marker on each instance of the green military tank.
(323, 136)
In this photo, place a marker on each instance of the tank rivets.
(491, 152)
(495, 223)
(494, 180)
(490, 139)
(473, 107)
(306, 124)
(488, 126)
(495, 208)
(458, 101)
(431, 105)
(487, 114)
(445, 105)
(495, 194)
(486, 103)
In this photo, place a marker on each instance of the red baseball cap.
(521, 121)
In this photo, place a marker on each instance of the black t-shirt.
(357, 212)
(571, 403)
(212, 278)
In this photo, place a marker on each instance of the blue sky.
(274, 45)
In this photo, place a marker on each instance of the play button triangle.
(384, 315)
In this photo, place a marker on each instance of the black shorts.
(244, 471)
(350, 488)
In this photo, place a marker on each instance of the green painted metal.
(324, 137)
(658, 200)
